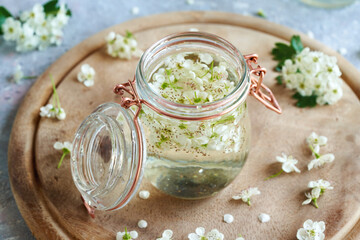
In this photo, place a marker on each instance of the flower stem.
(62, 158)
(56, 96)
(275, 175)
(248, 202)
(313, 151)
(29, 77)
(315, 202)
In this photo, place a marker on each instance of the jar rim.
(236, 96)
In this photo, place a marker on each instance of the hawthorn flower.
(288, 165)
(311, 231)
(65, 147)
(18, 74)
(166, 235)
(123, 47)
(246, 194)
(127, 235)
(86, 75)
(37, 28)
(321, 160)
(313, 73)
(53, 110)
(200, 234)
(11, 29)
(315, 141)
(318, 188)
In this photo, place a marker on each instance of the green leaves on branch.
(305, 101)
(282, 51)
(52, 8)
(4, 13)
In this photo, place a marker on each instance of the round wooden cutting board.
(51, 205)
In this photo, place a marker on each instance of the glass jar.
(329, 3)
(189, 149)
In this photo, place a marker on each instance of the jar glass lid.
(108, 157)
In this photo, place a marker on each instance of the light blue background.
(336, 28)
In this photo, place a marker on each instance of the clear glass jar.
(329, 3)
(189, 151)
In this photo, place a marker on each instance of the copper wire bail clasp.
(256, 76)
(127, 102)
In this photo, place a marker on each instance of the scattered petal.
(144, 194)
(135, 10)
(263, 217)
(228, 218)
(142, 224)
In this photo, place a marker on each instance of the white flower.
(321, 160)
(65, 147)
(86, 75)
(18, 74)
(314, 73)
(263, 217)
(318, 188)
(312, 196)
(35, 16)
(11, 29)
(311, 231)
(200, 234)
(144, 194)
(228, 218)
(50, 111)
(166, 235)
(316, 141)
(61, 146)
(288, 163)
(122, 47)
(135, 10)
(246, 194)
(322, 184)
(127, 235)
(142, 224)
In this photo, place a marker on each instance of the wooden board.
(51, 205)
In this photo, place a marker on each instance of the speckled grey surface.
(336, 28)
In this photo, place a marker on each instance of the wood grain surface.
(51, 205)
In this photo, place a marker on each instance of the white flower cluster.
(317, 189)
(86, 75)
(190, 78)
(50, 111)
(311, 231)
(200, 234)
(245, 195)
(122, 46)
(315, 142)
(36, 29)
(314, 73)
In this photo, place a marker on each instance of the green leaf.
(282, 51)
(4, 13)
(164, 85)
(52, 8)
(296, 44)
(305, 101)
(279, 80)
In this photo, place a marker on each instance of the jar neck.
(190, 41)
